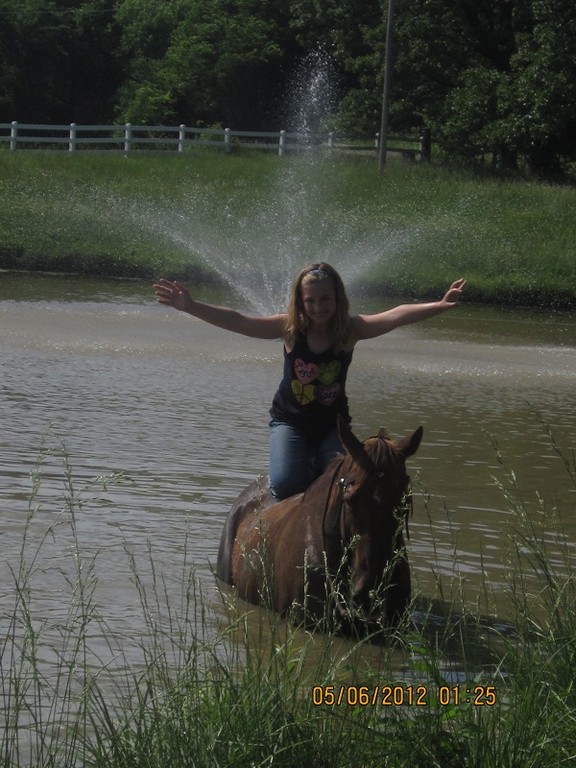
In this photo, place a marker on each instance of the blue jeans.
(295, 460)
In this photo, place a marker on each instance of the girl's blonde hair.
(297, 321)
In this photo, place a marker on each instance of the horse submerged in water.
(333, 556)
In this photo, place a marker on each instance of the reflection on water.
(98, 372)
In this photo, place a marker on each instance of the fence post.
(127, 137)
(227, 140)
(331, 140)
(181, 138)
(14, 134)
(72, 141)
(426, 144)
(282, 144)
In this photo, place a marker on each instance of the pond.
(98, 381)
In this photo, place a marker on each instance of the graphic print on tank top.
(316, 382)
(312, 392)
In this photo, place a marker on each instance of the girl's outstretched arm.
(174, 294)
(370, 326)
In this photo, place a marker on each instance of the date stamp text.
(403, 695)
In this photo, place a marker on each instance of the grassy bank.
(465, 691)
(416, 226)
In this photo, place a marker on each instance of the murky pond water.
(97, 379)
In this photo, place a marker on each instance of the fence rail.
(145, 138)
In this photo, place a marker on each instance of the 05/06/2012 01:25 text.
(400, 695)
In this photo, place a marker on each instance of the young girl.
(319, 337)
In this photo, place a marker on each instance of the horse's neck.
(332, 495)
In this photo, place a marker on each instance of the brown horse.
(334, 552)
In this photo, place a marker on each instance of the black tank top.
(313, 389)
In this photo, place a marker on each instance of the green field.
(425, 225)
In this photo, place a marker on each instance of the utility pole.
(383, 145)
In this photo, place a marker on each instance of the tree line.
(495, 77)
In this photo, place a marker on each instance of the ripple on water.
(179, 409)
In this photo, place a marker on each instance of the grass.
(416, 226)
(259, 693)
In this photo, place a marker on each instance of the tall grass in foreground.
(259, 693)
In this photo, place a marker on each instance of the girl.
(319, 337)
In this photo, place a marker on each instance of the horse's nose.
(361, 589)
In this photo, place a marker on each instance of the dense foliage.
(493, 77)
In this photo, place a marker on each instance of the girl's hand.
(172, 294)
(454, 293)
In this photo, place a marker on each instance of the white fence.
(138, 138)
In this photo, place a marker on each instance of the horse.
(334, 555)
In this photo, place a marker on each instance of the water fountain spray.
(258, 250)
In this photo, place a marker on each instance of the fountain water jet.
(257, 251)
(312, 95)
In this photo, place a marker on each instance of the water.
(257, 250)
(258, 244)
(101, 382)
(312, 95)
(128, 430)
(148, 423)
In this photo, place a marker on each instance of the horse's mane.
(380, 448)
(379, 452)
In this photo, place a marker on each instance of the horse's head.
(367, 517)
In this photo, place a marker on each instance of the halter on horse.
(334, 552)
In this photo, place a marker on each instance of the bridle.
(333, 533)
(336, 548)
(332, 519)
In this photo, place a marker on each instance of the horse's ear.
(410, 444)
(349, 439)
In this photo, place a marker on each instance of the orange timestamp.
(403, 695)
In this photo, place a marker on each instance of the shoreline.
(516, 297)
(417, 228)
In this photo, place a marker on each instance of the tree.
(539, 101)
(58, 60)
(491, 75)
(353, 34)
(496, 76)
(212, 63)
